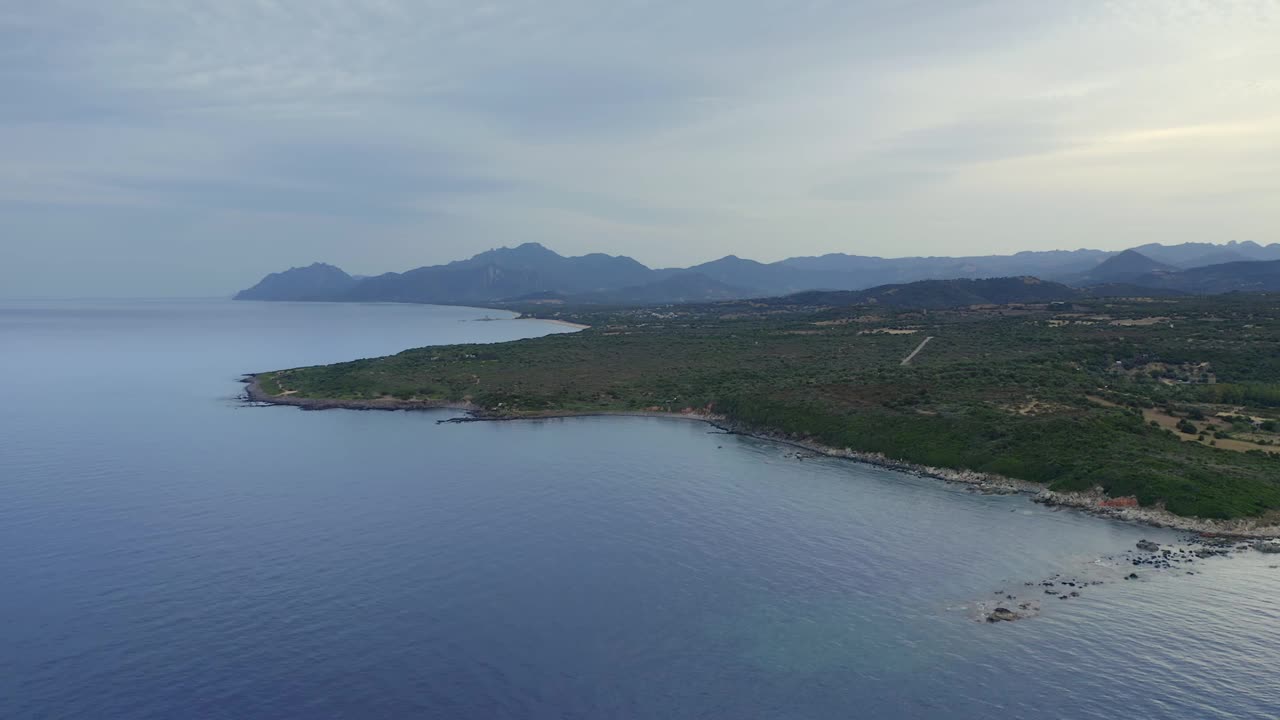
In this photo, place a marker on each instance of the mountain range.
(930, 294)
(533, 273)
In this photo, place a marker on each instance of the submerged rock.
(1148, 546)
(1002, 614)
(1268, 546)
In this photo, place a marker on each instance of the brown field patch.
(889, 331)
(1140, 322)
(1208, 425)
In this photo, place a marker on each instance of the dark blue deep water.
(166, 552)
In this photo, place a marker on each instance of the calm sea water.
(166, 552)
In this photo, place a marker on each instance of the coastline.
(255, 394)
(1094, 502)
(566, 323)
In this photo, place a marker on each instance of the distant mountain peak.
(314, 282)
(529, 249)
(728, 260)
(533, 247)
(1127, 264)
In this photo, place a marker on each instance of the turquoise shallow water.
(169, 552)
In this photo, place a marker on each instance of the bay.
(170, 552)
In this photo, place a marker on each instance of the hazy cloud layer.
(189, 147)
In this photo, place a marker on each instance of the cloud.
(916, 159)
(673, 132)
(576, 99)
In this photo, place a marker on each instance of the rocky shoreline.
(1094, 502)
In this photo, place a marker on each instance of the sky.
(174, 147)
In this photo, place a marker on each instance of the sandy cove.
(1094, 502)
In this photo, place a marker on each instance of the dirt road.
(907, 360)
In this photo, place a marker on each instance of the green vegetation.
(1073, 395)
(268, 384)
(1258, 394)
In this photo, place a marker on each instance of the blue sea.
(168, 552)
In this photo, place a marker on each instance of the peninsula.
(1169, 404)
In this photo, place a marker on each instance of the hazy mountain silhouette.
(317, 281)
(870, 271)
(932, 294)
(682, 287)
(1221, 257)
(1190, 255)
(1252, 276)
(531, 269)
